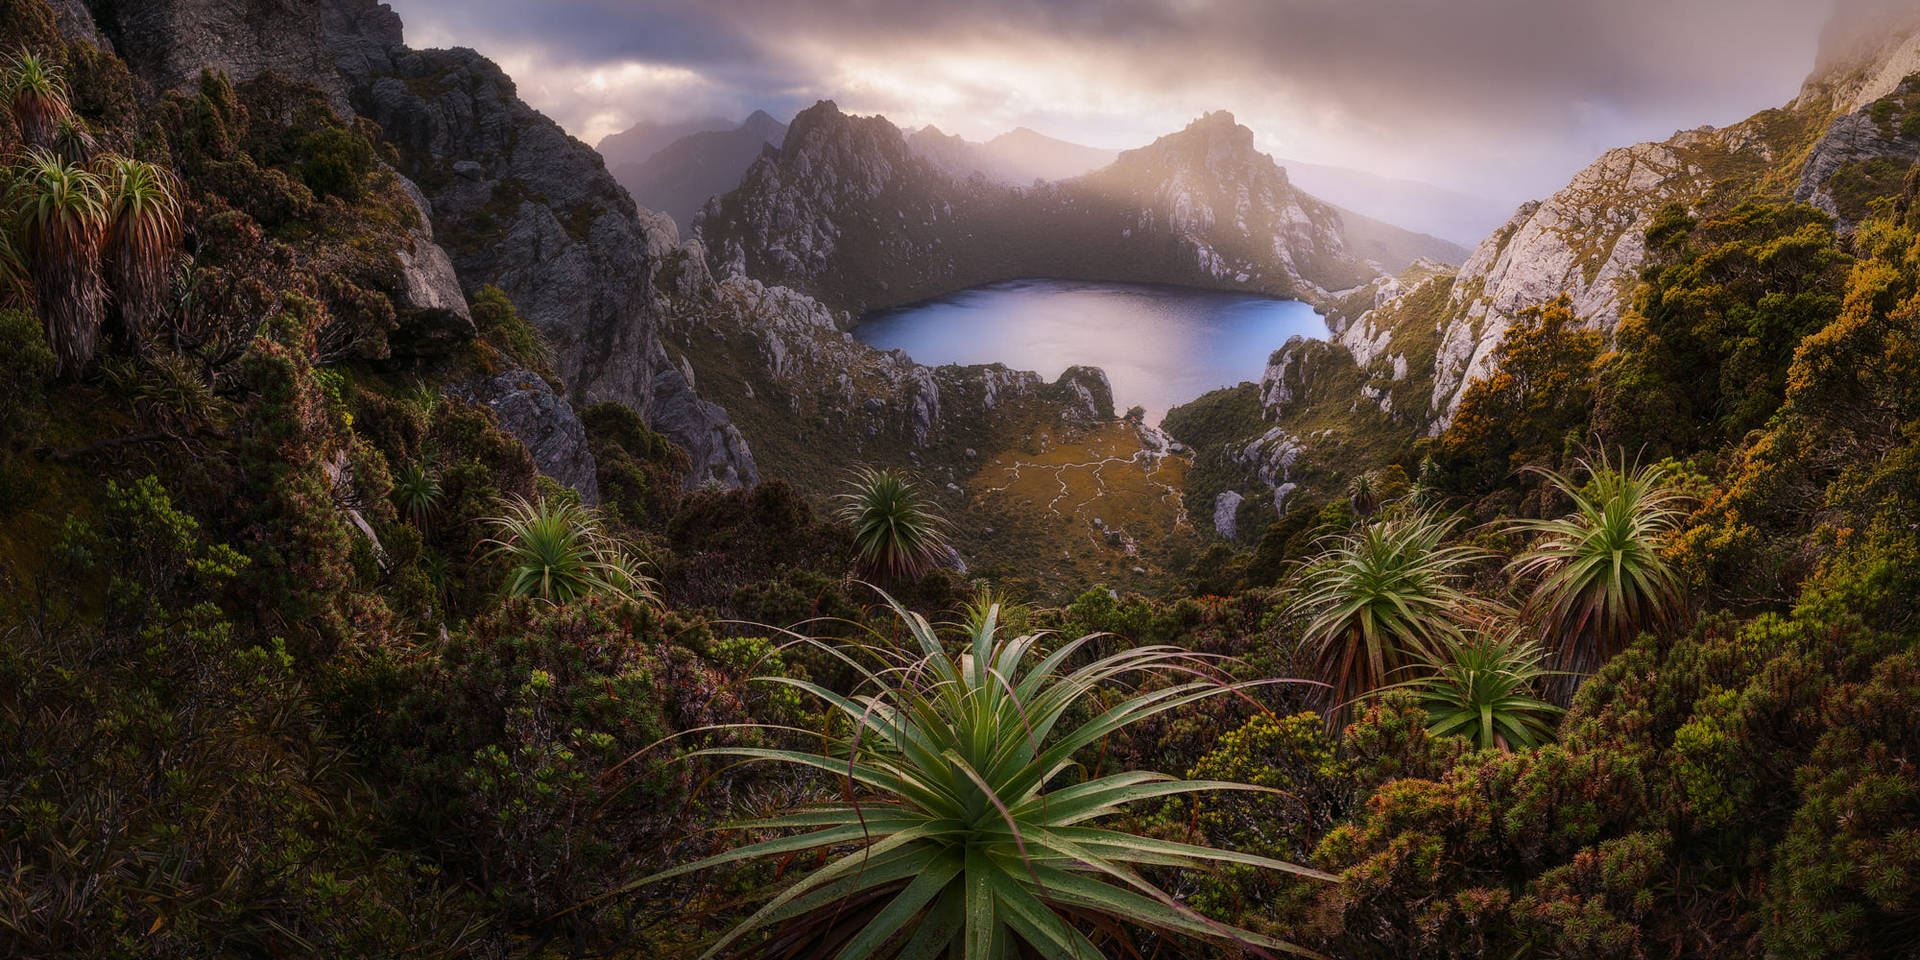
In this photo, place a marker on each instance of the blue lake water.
(1160, 346)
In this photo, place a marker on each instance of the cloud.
(1504, 97)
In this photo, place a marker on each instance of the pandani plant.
(559, 552)
(62, 212)
(962, 828)
(416, 492)
(898, 534)
(16, 290)
(37, 97)
(1482, 684)
(73, 142)
(143, 237)
(1599, 577)
(1363, 493)
(1380, 599)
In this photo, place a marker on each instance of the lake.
(1160, 346)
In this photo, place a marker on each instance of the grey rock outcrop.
(75, 21)
(169, 42)
(1586, 241)
(513, 200)
(526, 407)
(1851, 138)
(520, 204)
(793, 342)
(1226, 510)
(429, 286)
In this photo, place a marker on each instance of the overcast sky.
(1502, 98)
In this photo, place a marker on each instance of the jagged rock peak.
(1866, 49)
(1215, 141)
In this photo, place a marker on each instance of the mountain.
(636, 144)
(679, 177)
(1457, 217)
(1023, 155)
(1019, 156)
(1405, 349)
(851, 211)
(513, 201)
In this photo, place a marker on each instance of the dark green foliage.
(168, 788)
(502, 328)
(263, 232)
(507, 742)
(1858, 186)
(335, 163)
(25, 364)
(1704, 357)
(1208, 425)
(639, 470)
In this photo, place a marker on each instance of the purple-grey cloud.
(1500, 96)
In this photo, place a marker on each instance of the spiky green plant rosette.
(961, 832)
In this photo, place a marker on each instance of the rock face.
(791, 343)
(76, 22)
(1866, 49)
(513, 200)
(429, 286)
(522, 205)
(1587, 241)
(543, 420)
(1855, 140)
(169, 42)
(849, 212)
(678, 178)
(1226, 509)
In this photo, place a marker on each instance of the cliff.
(513, 200)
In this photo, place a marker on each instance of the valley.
(425, 534)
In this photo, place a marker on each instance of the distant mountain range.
(679, 175)
(646, 138)
(1413, 204)
(855, 212)
(1024, 155)
(1019, 156)
(675, 167)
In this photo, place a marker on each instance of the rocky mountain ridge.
(851, 213)
(508, 199)
(512, 199)
(1587, 240)
(678, 178)
(1405, 348)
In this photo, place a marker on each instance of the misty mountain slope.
(638, 143)
(1407, 347)
(679, 177)
(1393, 247)
(1587, 240)
(1424, 207)
(1019, 156)
(850, 211)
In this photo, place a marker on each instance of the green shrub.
(335, 163)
